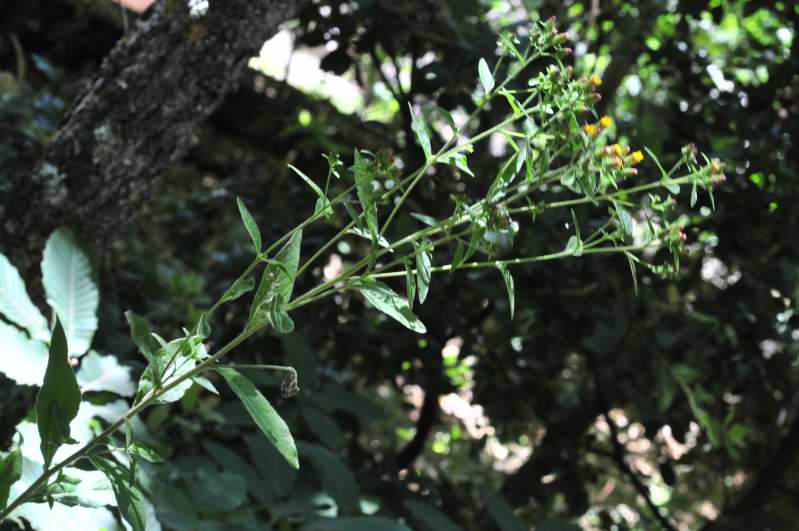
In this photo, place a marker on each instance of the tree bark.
(140, 113)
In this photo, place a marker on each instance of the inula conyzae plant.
(562, 156)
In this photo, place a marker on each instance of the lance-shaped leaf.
(277, 283)
(486, 78)
(387, 301)
(424, 262)
(10, 472)
(16, 305)
(363, 186)
(506, 276)
(420, 129)
(133, 506)
(71, 291)
(59, 398)
(264, 415)
(250, 225)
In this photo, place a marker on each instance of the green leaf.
(507, 43)
(141, 333)
(170, 362)
(462, 164)
(133, 506)
(420, 129)
(322, 202)
(387, 301)
(486, 79)
(506, 276)
(250, 225)
(264, 415)
(337, 479)
(625, 220)
(104, 373)
(432, 518)
(410, 283)
(381, 241)
(59, 398)
(239, 288)
(277, 284)
(575, 246)
(10, 472)
(16, 305)
(365, 191)
(22, 359)
(502, 513)
(71, 291)
(424, 263)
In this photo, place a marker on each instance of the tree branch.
(140, 113)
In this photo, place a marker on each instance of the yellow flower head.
(617, 149)
(596, 80)
(590, 129)
(637, 157)
(605, 122)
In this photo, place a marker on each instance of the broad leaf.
(10, 472)
(277, 282)
(420, 129)
(250, 225)
(423, 264)
(16, 306)
(71, 291)
(506, 276)
(22, 359)
(486, 78)
(58, 400)
(337, 479)
(264, 415)
(104, 373)
(432, 518)
(132, 504)
(363, 186)
(387, 301)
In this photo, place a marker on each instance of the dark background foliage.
(588, 392)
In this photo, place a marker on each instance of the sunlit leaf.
(506, 276)
(363, 186)
(277, 284)
(486, 78)
(239, 288)
(22, 359)
(574, 246)
(387, 301)
(104, 373)
(16, 305)
(71, 291)
(424, 263)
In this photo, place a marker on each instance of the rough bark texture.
(140, 113)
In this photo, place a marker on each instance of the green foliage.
(10, 472)
(263, 414)
(387, 301)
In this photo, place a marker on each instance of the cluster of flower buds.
(619, 157)
(551, 38)
(594, 129)
(716, 172)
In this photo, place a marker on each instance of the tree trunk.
(141, 112)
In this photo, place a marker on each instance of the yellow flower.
(617, 150)
(605, 122)
(637, 157)
(590, 129)
(596, 80)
